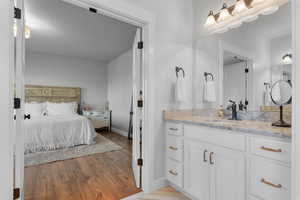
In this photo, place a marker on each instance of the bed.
(45, 131)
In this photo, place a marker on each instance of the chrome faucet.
(233, 110)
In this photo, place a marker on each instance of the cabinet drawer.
(276, 150)
(175, 148)
(175, 172)
(216, 136)
(269, 181)
(174, 129)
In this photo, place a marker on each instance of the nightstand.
(101, 120)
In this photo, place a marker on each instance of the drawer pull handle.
(173, 129)
(270, 149)
(204, 155)
(173, 148)
(271, 184)
(211, 158)
(174, 173)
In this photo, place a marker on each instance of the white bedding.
(54, 132)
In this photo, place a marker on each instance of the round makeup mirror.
(281, 94)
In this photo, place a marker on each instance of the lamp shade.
(239, 7)
(224, 13)
(210, 21)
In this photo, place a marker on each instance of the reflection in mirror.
(265, 46)
(237, 71)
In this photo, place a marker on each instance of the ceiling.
(230, 58)
(64, 29)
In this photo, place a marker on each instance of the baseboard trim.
(134, 197)
(119, 131)
(159, 183)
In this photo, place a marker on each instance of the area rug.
(102, 145)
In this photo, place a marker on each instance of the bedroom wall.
(55, 70)
(119, 91)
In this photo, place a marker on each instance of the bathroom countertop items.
(246, 126)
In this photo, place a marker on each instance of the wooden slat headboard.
(38, 93)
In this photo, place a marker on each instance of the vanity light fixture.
(257, 2)
(242, 11)
(211, 20)
(287, 59)
(239, 7)
(224, 13)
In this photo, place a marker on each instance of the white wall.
(173, 45)
(119, 90)
(54, 70)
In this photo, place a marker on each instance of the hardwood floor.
(166, 193)
(105, 176)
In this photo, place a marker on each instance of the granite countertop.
(246, 126)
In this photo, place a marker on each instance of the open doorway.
(83, 73)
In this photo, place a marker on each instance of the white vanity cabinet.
(212, 172)
(197, 169)
(216, 164)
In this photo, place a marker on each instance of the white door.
(18, 82)
(229, 174)
(137, 111)
(197, 170)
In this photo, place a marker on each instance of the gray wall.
(120, 90)
(54, 70)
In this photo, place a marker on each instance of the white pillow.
(34, 109)
(61, 108)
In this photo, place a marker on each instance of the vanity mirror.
(281, 94)
(253, 58)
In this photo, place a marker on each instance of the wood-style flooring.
(105, 176)
(166, 193)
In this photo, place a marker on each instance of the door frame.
(137, 16)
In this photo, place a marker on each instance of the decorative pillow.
(61, 108)
(34, 109)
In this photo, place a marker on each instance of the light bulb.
(224, 13)
(287, 59)
(210, 21)
(239, 7)
(257, 2)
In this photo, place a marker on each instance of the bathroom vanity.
(217, 159)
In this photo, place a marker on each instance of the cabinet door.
(229, 174)
(197, 172)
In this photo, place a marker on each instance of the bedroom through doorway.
(83, 92)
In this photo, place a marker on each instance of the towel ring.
(178, 69)
(206, 74)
